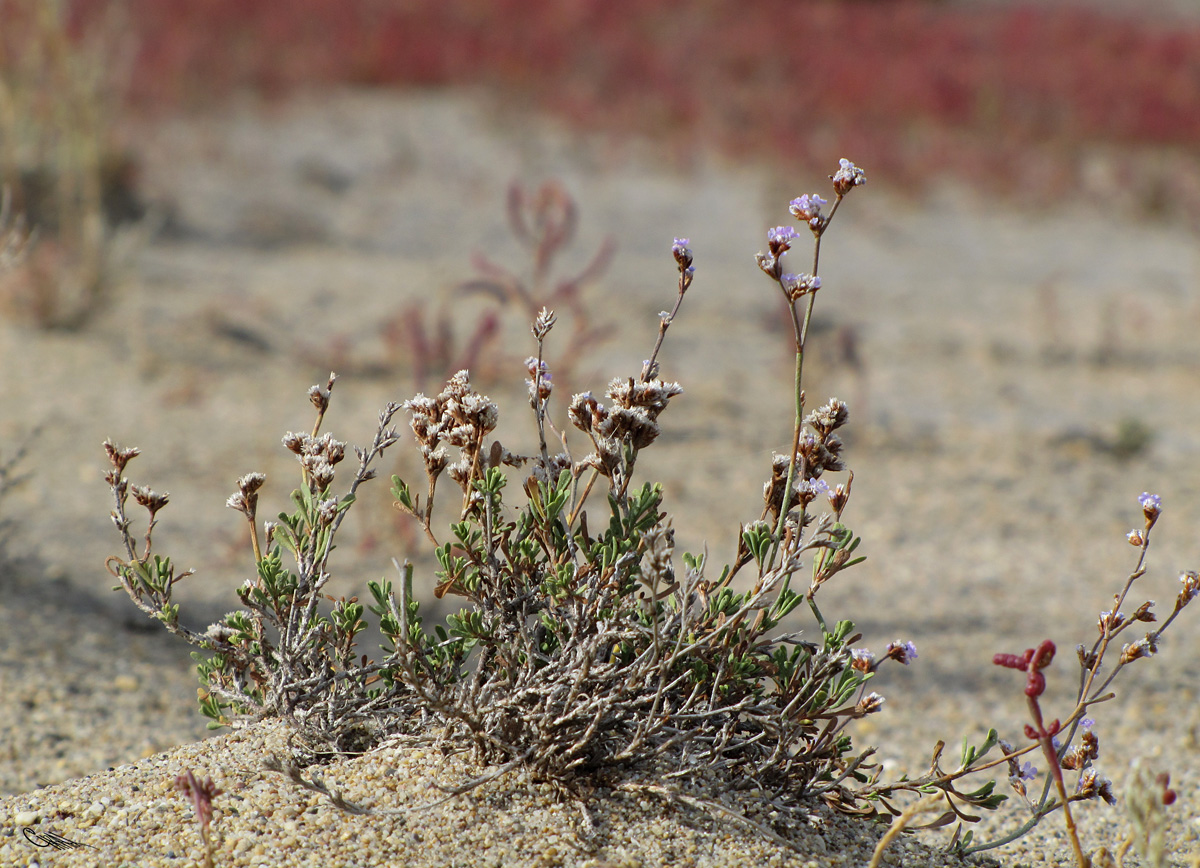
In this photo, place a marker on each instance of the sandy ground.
(992, 358)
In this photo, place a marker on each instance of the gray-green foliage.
(582, 643)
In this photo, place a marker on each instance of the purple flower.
(1086, 724)
(1028, 772)
(1150, 501)
(807, 207)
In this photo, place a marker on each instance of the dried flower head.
(847, 177)
(147, 497)
(1094, 786)
(543, 323)
(1191, 587)
(902, 652)
(1144, 647)
(119, 457)
(862, 660)
(799, 285)
(319, 396)
(827, 419)
(869, 704)
(539, 382)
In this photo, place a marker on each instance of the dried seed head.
(460, 472)
(799, 285)
(869, 704)
(543, 323)
(768, 265)
(862, 659)
(251, 483)
(119, 457)
(1145, 647)
(147, 497)
(651, 395)
(847, 177)
(1109, 621)
(1082, 755)
(320, 396)
(829, 418)
(633, 426)
(539, 382)
(902, 652)
(435, 460)
(1191, 587)
(327, 511)
(295, 442)
(1093, 786)
(586, 412)
(334, 450)
(1136, 538)
(1087, 659)
(320, 472)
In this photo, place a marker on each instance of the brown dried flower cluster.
(629, 425)
(819, 451)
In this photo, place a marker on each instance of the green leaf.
(402, 493)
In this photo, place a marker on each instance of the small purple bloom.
(1028, 772)
(1086, 724)
(807, 207)
(1150, 501)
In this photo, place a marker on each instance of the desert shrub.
(583, 645)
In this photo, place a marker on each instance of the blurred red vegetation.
(904, 87)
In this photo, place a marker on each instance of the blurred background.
(213, 204)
